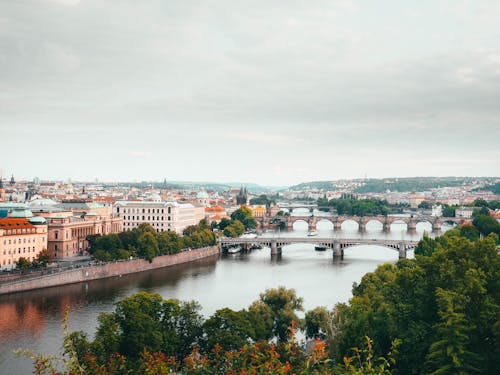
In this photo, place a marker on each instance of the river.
(33, 319)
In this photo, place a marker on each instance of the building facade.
(67, 235)
(163, 216)
(21, 237)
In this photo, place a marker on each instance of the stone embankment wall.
(105, 270)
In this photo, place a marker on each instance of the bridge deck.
(315, 240)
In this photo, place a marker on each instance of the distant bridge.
(386, 221)
(336, 244)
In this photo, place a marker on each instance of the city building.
(21, 237)
(437, 210)
(163, 216)
(242, 197)
(464, 212)
(70, 222)
(215, 213)
(258, 210)
(67, 234)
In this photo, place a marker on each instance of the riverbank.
(105, 270)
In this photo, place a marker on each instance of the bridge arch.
(349, 224)
(324, 223)
(374, 224)
(301, 221)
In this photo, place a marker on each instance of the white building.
(464, 212)
(163, 216)
(437, 210)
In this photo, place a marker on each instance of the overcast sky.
(272, 92)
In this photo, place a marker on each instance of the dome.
(38, 220)
(42, 202)
(202, 195)
(154, 197)
(21, 213)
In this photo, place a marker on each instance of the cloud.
(303, 84)
(141, 154)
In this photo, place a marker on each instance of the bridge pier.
(402, 250)
(412, 226)
(386, 226)
(338, 253)
(436, 226)
(275, 249)
(362, 226)
(337, 225)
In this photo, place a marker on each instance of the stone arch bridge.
(337, 245)
(386, 221)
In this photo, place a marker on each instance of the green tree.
(244, 215)
(449, 353)
(486, 224)
(23, 263)
(181, 326)
(449, 211)
(228, 328)
(284, 304)
(316, 322)
(147, 245)
(261, 318)
(139, 318)
(44, 258)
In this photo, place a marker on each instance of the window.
(56, 235)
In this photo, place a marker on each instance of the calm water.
(33, 319)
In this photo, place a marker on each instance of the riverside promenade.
(104, 270)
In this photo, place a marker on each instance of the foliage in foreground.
(435, 314)
(444, 306)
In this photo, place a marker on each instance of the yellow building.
(258, 210)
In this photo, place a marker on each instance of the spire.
(12, 181)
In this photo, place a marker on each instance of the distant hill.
(374, 185)
(206, 185)
(319, 185)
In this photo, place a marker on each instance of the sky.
(264, 91)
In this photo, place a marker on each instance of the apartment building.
(21, 237)
(163, 216)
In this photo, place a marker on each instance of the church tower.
(242, 197)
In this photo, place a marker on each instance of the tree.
(283, 304)
(23, 263)
(449, 211)
(244, 215)
(261, 318)
(44, 257)
(147, 245)
(449, 353)
(228, 328)
(139, 318)
(426, 205)
(425, 246)
(181, 327)
(316, 322)
(486, 224)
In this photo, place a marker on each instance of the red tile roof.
(8, 223)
